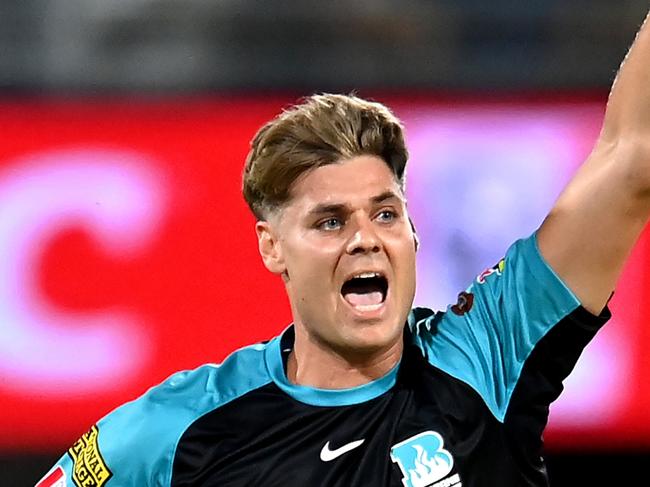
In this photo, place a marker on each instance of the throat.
(311, 364)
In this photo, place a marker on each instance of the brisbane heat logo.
(424, 462)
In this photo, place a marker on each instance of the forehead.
(350, 182)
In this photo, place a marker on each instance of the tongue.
(363, 299)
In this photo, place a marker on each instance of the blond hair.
(323, 129)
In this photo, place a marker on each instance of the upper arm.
(594, 224)
(596, 221)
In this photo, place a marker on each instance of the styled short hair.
(323, 129)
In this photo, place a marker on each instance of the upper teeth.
(365, 275)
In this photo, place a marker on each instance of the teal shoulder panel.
(485, 338)
(136, 443)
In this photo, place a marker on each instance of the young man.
(362, 390)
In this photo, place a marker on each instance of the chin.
(372, 335)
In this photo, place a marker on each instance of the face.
(345, 248)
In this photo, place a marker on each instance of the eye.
(330, 224)
(386, 216)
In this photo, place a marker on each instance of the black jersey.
(466, 405)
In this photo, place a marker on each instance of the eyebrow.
(386, 195)
(328, 208)
(325, 208)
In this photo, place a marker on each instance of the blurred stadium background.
(127, 251)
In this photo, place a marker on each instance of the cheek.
(403, 260)
(311, 264)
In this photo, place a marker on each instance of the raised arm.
(597, 219)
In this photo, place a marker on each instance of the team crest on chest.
(424, 462)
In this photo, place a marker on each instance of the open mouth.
(365, 291)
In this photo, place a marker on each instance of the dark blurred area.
(188, 46)
(144, 48)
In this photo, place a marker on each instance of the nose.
(364, 238)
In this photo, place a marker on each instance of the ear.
(270, 247)
(416, 239)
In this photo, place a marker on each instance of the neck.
(312, 363)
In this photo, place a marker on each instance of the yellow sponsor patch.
(89, 469)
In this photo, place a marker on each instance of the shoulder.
(516, 301)
(214, 384)
(189, 393)
(137, 441)
(506, 313)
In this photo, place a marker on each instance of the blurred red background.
(184, 276)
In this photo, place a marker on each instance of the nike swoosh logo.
(328, 455)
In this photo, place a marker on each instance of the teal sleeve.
(485, 339)
(135, 445)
